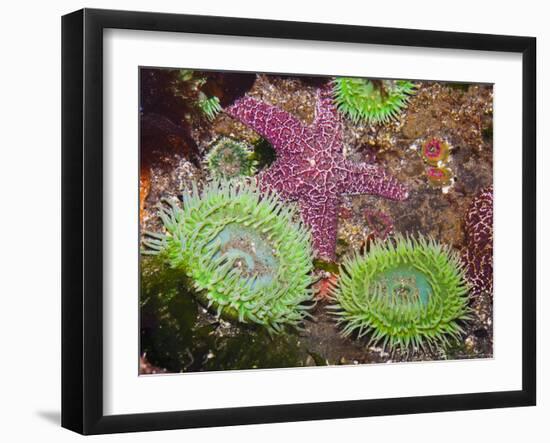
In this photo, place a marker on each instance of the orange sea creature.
(324, 287)
(144, 189)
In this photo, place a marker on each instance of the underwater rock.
(439, 109)
(160, 136)
(229, 86)
(176, 106)
(380, 224)
(310, 167)
(244, 255)
(167, 177)
(408, 294)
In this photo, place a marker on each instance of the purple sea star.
(477, 255)
(310, 167)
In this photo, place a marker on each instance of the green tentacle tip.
(405, 294)
(210, 106)
(371, 101)
(246, 257)
(228, 158)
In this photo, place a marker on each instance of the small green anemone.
(228, 158)
(210, 106)
(406, 293)
(245, 255)
(371, 101)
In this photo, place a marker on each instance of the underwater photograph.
(294, 221)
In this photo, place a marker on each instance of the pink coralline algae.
(381, 224)
(310, 167)
(477, 255)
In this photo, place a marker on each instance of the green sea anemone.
(246, 257)
(371, 101)
(406, 293)
(228, 158)
(210, 106)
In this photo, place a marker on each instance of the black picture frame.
(82, 220)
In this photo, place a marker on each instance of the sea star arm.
(321, 215)
(328, 128)
(280, 128)
(366, 178)
(278, 177)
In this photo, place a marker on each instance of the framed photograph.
(270, 221)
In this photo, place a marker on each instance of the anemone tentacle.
(210, 106)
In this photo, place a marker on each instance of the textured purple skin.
(310, 166)
(478, 253)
